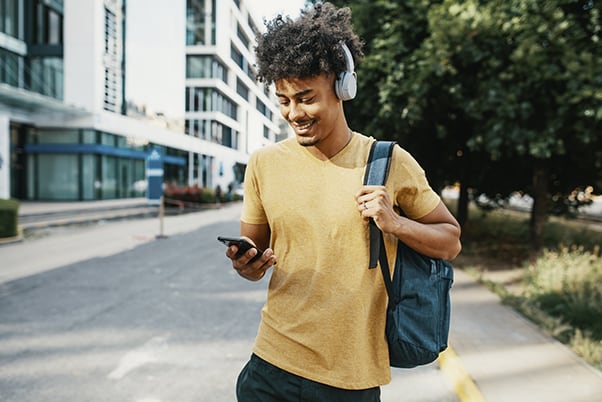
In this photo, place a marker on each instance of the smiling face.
(314, 112)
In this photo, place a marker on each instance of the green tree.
(500, 95)
(392, 31)
(526, 75)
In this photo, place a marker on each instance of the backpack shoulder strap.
(379, 160)
(377, 171)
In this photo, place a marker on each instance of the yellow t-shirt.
(324, 318)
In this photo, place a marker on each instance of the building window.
(113, 77)
(205, 67)
(241, 62)
(200, 23)
(193, 127)
(47, 76)
(58, 136)
(227, 137)
(213, 131)
(252, 25)
(9, 68)
(237, 57)
(223, 135)
(9, 18)
(242, 36)
(110, 33)
(57, 176)
(195, 22)
(263, 109)
(242, 89)
(48, 24)
(210, 100)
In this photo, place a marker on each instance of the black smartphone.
(243, 246)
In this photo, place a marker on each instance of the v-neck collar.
(336, 156)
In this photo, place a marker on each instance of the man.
(321, 336)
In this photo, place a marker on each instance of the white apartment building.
(66, 132)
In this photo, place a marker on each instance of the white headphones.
(346, 83)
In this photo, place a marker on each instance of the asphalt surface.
(135, 310)
(108, 312)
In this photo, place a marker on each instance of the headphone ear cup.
(346, 86)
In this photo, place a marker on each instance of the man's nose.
(295, 110)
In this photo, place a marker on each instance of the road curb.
(462, 383)
(11, 240)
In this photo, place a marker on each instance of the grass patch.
(560, 289)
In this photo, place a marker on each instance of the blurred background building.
(69, 130)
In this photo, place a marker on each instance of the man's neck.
(338, 141)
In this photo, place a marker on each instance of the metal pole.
(161, 216)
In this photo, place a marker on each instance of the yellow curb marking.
(455, 372)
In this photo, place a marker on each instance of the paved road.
(110, 313)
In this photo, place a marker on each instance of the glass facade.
(74, 165)
(85, 164)
(88, 180)
(57, 176)
(206, 97)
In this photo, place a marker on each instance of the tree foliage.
(500, 95)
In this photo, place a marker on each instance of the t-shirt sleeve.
(413, 194)
(252, 210)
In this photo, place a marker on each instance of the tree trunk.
(462, 212)
(539, 213)
(464, 176)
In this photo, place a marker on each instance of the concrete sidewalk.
(495, 355)
(41, 215)
(508, 358)
(29, 208)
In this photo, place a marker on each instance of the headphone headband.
(348, 58)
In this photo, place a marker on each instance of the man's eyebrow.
(297, 95)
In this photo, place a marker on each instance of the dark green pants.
(260, 381)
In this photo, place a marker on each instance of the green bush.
(207, 196)
(567, 284)
(9, 218)
(193, 196)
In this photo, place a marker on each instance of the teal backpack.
(418, 312)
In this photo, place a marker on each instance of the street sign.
(154, 176)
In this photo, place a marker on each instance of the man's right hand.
(255, 270)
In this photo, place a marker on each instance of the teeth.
(305, 126)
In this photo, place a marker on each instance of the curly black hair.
(307, 46)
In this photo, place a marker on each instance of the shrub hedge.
(190, 196)
(9, 218)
